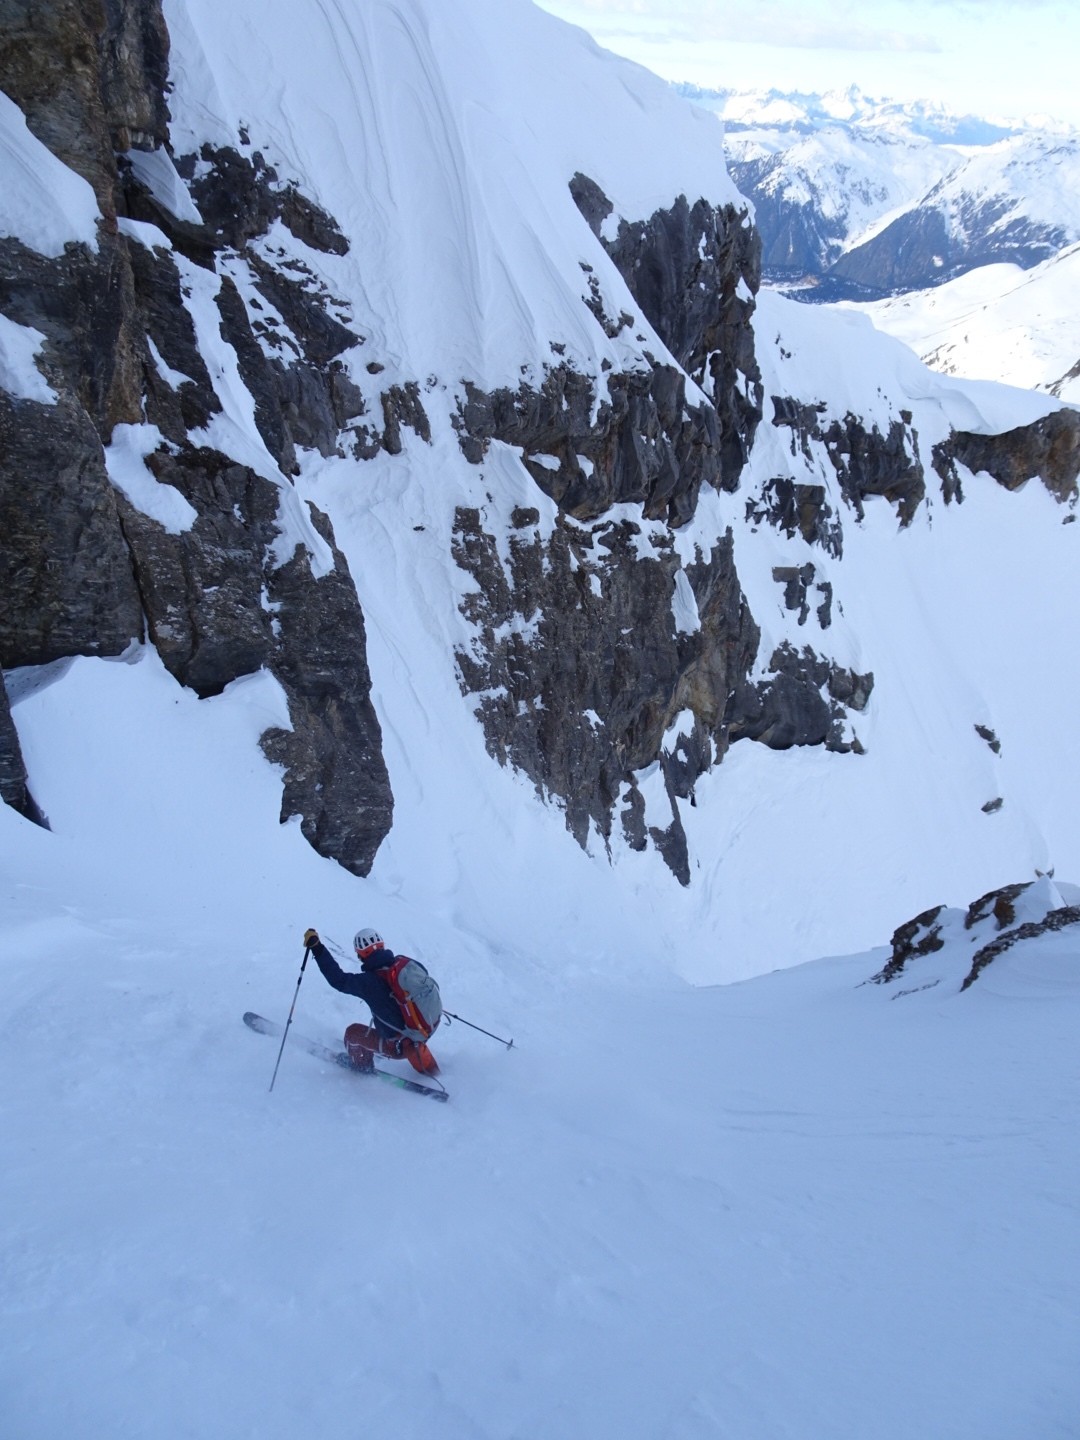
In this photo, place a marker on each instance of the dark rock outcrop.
(219, 606)
(580, 625)
(804, 702)
(1048, 449)
(644, 443)
(14, 785)
(65, 571)
(870, 463)
(1059, 919)
(918, 937)
(798, 509)
(585, 682)
(694, 270)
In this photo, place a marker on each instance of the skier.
(382, 984)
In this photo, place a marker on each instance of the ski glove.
(311, 939)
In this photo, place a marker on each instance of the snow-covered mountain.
(1017, 202)
(412, 514)
(871, 196)
(996, 323)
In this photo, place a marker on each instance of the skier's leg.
(361, 1046)
(420, 1057)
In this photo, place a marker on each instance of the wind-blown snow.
(42, 202)
(444, 150)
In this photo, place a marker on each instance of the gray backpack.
(417, 994)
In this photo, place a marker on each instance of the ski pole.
(451, 1016)
(292, 1007)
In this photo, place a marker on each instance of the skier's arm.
(349, 984)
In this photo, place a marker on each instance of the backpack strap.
(415, 1024)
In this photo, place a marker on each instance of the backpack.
(417, 994)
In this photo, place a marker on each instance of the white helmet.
(367, 939)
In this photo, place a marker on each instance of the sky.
(995, 58)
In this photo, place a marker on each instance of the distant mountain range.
(862, 199)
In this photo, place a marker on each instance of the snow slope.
(789, 1207)
(996, 323)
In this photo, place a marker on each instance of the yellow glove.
(311, 939)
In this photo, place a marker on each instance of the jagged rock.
(134, 74)
(84, 305)
(869, 463)
(79, 562)
(798, 510)
(985, 733)
(257, 375)
(918, 937)
(804, 421)
(694, 270)
(1001, 904)
(1059, 919)
(51, 65)
(796, 580)
(218, 607)
(165, 321)
(1049, 448)
(65, 570)
(336, 778)
(202, 589)
(802, 703)
(14, 787)
(580, 670)
(402, 406)
(643, 444)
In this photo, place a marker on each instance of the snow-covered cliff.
(413, 361)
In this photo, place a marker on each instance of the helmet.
(367, 939)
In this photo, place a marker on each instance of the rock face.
(602, 665)
(82, 570)
(694, 270)
(1049, 449)
(14, 787)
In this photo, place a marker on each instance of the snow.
(125, 460)
(19, 374)
(156, 171)
(42, 202)
(466, 241)
(995, 323)
(798, 1205)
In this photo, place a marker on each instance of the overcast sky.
(989, 57)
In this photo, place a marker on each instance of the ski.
(262, 1026)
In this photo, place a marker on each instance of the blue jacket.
(368, 986)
